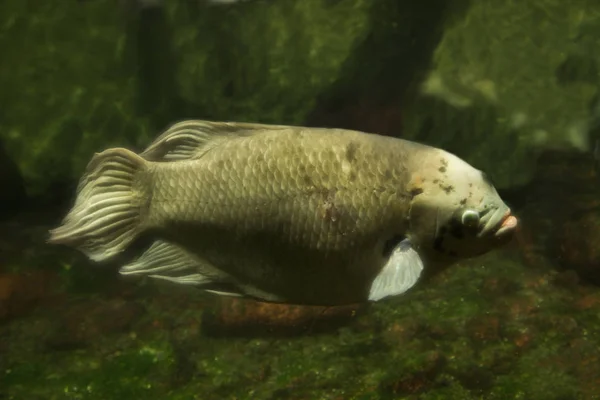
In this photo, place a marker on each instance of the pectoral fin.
(400, 273)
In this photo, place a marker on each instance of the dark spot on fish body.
(260, 157)
(438, 242)
(447, 188)
(387, 174)
(456, 229)
(442, 169)
(221, 163)
(330, 212)
(352, 176)
(351, 149)
(436, 181)
(444, 162)
(463, 202)
(307, 180)
(414, 192)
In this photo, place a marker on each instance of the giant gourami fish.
(285, 214)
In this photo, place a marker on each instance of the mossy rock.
(77, 78)
(510, 80)
(67, 87)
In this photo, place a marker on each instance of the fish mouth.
(507, 225)
(500, 223)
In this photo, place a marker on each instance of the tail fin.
(106, 216)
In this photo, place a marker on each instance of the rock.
(579, 246)
(508, 82)
(81, 101)
(399, 333)
(214, 63)
(247, 318)
(589, 301)
(420, 380)
(559, 221)
(84, 323)
(21, 293)
(484, 329)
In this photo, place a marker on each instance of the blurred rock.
(399, 333)
(55, 114)
(234, 63)
(476, 378)
(483, 329)
(495, 286)
(247, 318)
(560, 220)
(509, 81)
(21, 293)
(590, 301)
(579, 248)
(12, 194)
(418, 381)
(84, 323)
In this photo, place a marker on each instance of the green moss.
(438, 357)
(263, 61)
(135, 373)
(67, 87)
(95, 76)
(509, 80)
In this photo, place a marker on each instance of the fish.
(285, 214)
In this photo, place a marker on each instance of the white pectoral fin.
(400, 273)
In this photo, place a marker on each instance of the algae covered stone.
(509, 80)
(77, 78)
(67, 86)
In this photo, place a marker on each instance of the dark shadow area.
(150, 41)
(387, 67)
(12, 187)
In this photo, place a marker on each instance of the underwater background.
(512, 87)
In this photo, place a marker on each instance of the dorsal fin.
(192, 138)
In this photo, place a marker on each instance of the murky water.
(511, 88)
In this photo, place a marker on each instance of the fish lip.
(506, 226)
(494, 222)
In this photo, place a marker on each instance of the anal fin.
(170, 262)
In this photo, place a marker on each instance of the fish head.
(455, 210)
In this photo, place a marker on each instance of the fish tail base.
(107, 214)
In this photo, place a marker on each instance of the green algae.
(95, 75)
(509, 80)
(442, 341)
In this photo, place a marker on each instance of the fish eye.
(470, 218)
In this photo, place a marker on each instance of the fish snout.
(500, 223)
(508, 225)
